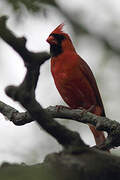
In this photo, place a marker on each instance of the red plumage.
(74, 78)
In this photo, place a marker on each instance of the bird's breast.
(72, 84)
(76, 92)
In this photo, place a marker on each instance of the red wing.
(89, 75)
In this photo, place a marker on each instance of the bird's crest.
(58, 29)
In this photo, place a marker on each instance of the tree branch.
(25, 92)
(19, 45)
(101, 123)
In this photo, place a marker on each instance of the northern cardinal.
(74, 78)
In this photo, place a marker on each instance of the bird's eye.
(52, 40)
(55, 39)
(58, 37)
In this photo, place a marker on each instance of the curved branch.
(101, 123)
(19, 44)
(25, 92)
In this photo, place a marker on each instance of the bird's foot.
(61, 107)
(90, 109)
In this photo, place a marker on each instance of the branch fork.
(25, 95)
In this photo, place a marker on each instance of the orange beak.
(51, 40)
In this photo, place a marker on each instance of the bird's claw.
(61, 107)
(86, 110)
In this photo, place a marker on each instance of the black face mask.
(56, 49)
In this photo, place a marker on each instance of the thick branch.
(25, 92)
(19, 44)
(15, 116)
(101, 123)
(112, 127)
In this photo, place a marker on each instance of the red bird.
(74, 78)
